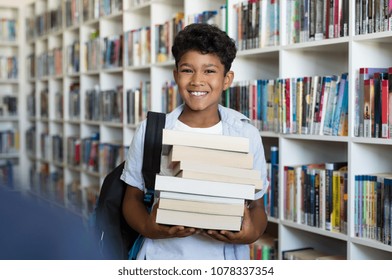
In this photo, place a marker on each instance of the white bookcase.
(324, 57)
(11, 95)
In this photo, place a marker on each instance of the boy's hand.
(253, 225)
(159, 231)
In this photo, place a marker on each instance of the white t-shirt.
(184, 248)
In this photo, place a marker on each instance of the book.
(307, 254)
(215, 169)
(368, 107)
(214, 172)
(200, 198)
(198, 220)
(203, 187)
(384, 109)
(329, 168)
(228, 209)
(190, 174)
(220, 157)
(202, 140)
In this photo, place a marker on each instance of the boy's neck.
(200, 119)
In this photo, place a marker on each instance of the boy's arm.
(137, 216)
(253, 226)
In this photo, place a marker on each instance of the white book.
(203, 187)
(216, 169)
(201, 198)
(190, 174)
(203, 140)
(219, 157)
(198, 220)
(202, 207)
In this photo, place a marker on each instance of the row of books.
(137, 46)
(171, 98)
(30, 135)
(9, 140)
(8, 67)
(8, 105)
(373, 207)
(44, 103)
(372, 16)
(215, 17)
(138, 102)
(272, 195)
(91, 155)
(309, 253)
(208, 181)
(316, 105)
(6, 174)
(8, 30)
(92, 51)
(50, 21)
(256, 24)
(112, 51)
(316, 195)
(164, 36)
(374, 103)
(49, 63)
(72, 12)
(104, 105)
(44, 23)
(72, 58)
(316, 20)
(51, 147)
(265, 248)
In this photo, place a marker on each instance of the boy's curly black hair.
(205, 38)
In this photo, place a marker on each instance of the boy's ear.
(175, 73)
(229, 77)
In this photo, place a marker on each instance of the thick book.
(202, 140)
(201, 198)
(190, 174)
(213, 208)
(220, 157)
(192, 165)
(203, 187)
(213, 172)
(198, 220)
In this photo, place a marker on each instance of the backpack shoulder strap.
(152, 152)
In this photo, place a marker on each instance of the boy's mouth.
(198, 93)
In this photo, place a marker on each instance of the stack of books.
(212, 176)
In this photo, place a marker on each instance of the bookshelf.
(75, 74)
(11, 96)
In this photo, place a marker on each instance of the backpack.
(115, 237)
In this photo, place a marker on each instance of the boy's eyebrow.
(204, 65)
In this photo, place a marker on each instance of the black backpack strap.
(152, 152)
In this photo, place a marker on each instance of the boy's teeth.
(198, 93)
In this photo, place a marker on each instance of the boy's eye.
(210, 71)
(186, 70)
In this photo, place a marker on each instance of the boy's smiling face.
(201, 80)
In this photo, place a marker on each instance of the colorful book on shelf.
(390, 97)
(204, 187)
(225, 158)
(365, 73)
(202, 140)
(198, 220)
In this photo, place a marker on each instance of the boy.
(203, 57)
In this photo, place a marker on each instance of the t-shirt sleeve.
(132, 173)
(259, 162)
